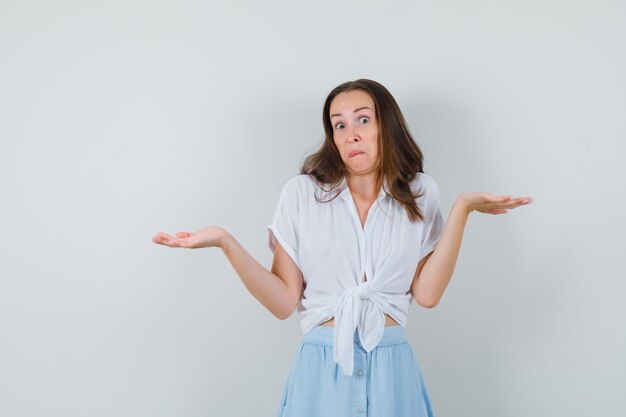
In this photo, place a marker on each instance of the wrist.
(461, 204)
(224, 239)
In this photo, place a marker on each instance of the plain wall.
(121, 119)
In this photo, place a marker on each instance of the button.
(359, 373)
(360, 409)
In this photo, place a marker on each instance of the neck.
(364, 187)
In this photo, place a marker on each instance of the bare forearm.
(268, 288)
(438, 269)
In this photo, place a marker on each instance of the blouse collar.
(383, 193)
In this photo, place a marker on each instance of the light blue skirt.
(386, 382)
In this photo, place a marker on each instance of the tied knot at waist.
(359, 307)
(362, 290)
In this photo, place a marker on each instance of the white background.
(120, 119)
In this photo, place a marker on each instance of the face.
(355, 131)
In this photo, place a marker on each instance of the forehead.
(349, 101)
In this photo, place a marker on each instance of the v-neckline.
(367, 214)
(347, 195)
(355, 212)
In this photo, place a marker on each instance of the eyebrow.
(359, 109)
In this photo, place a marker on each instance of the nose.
(353, 134)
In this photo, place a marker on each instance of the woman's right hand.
(203, 238)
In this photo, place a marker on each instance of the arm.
(435, 271)
(279, 290)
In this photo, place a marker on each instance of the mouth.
(354, 153)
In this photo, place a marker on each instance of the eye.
(339, 126)
(367, 119)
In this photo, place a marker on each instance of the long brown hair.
(399, 156)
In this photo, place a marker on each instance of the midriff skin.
(388, 321)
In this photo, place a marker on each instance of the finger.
(517, 202)
(158, 239)
(162, 241)
(521, 203)
(497, 200)
(165, 235)
(183, 234)
(523, 200)
(167, 240)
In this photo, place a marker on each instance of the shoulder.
(298, 187)
(306, 190)
(299, 183)
(424, 183)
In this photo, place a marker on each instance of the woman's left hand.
(489, 203)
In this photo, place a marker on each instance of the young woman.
(356, 237)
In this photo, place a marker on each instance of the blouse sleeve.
(433, 219)
(284, 226)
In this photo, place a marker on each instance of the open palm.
(491, 204)
(203, 238)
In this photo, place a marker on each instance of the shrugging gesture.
(358, 250)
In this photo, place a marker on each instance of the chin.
(360, 170)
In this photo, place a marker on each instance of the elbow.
(281, 316)
(432, 303)
(284, 306)
(284, 313)
(427, 301)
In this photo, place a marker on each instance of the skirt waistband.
(323, 335)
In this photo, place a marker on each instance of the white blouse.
(352, 273)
